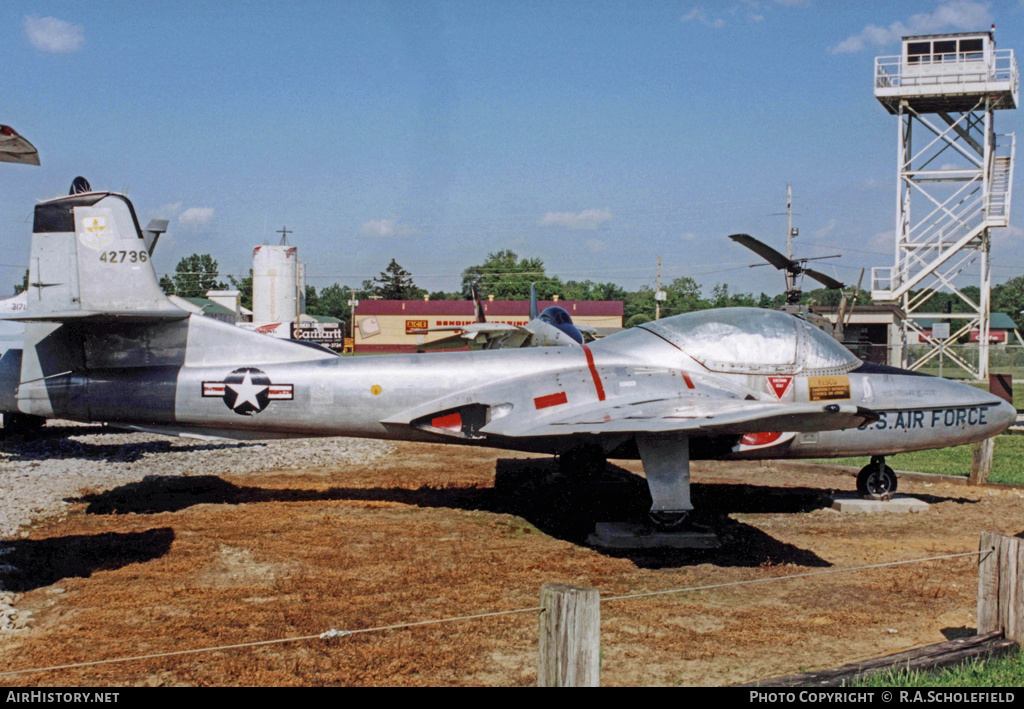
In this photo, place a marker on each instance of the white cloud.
(386, 228)
(196, 216)
(952, 15)
(168, 211)
(596, 246)
(698, 14)
(588, 219)
(48, 34)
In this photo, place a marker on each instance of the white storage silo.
(276, 284)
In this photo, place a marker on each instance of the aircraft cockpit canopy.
(754, 341)
(556, 316)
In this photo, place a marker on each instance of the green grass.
(1007, 462)
(1005, 671)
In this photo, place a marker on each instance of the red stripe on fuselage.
(543, 402)
(594, 374)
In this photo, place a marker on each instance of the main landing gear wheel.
(668, 521)
(876, 479)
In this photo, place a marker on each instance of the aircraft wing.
(486, 335)
(676, 416)
(14, 148)
(658, 401)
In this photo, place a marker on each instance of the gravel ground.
(38, 475)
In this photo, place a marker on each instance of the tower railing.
(945, 69)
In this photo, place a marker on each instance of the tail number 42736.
(124, 256)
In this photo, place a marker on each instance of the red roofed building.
(386, 325)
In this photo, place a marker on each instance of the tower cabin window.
(944, 51)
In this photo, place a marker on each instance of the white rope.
(326, 635)
(334, 633)
(791, 576)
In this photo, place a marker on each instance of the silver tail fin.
(478, 308)
(91, 260)
(91, 280)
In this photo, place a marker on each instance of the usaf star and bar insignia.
(247, 391)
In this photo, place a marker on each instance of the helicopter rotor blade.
(766, 252)
(827, 281)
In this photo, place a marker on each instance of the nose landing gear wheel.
(876, 479)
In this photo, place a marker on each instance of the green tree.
(507, 277)
(24, 284)
(588, 290)
(311, 300)
(641, 301)
(244, 287)
(1008, 298)
(331, 300)
(683, 295)
(395, 283)
(194, 276)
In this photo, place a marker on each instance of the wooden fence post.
(1001, 586)
(570, 636)
(981, 463)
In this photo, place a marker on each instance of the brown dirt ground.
(435, 532)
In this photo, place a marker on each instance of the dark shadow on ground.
(962, 632)
(62, 448)
(560, 506)
(33, 563)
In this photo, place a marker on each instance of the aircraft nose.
(1003, 416)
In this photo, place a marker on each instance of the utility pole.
(659, 294)
(284, 232)
(790, 278)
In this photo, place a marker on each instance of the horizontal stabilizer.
(105, 316)
(14, 148)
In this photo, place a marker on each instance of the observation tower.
(957, 174)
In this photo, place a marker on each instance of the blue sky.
(596, 136)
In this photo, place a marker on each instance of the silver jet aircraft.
(552, 328)
(100, 342)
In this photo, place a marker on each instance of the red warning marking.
(762, 438)
(451, 422)
(780, 385)
(689, 382)
(543, 402)
(593, 373)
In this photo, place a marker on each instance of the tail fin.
(533, 301)
(478, 307)
(91, 260)
(90, 276)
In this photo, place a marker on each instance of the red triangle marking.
(780, 385)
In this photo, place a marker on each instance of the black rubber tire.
(875, 479)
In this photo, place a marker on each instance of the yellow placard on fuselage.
(827, 388)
